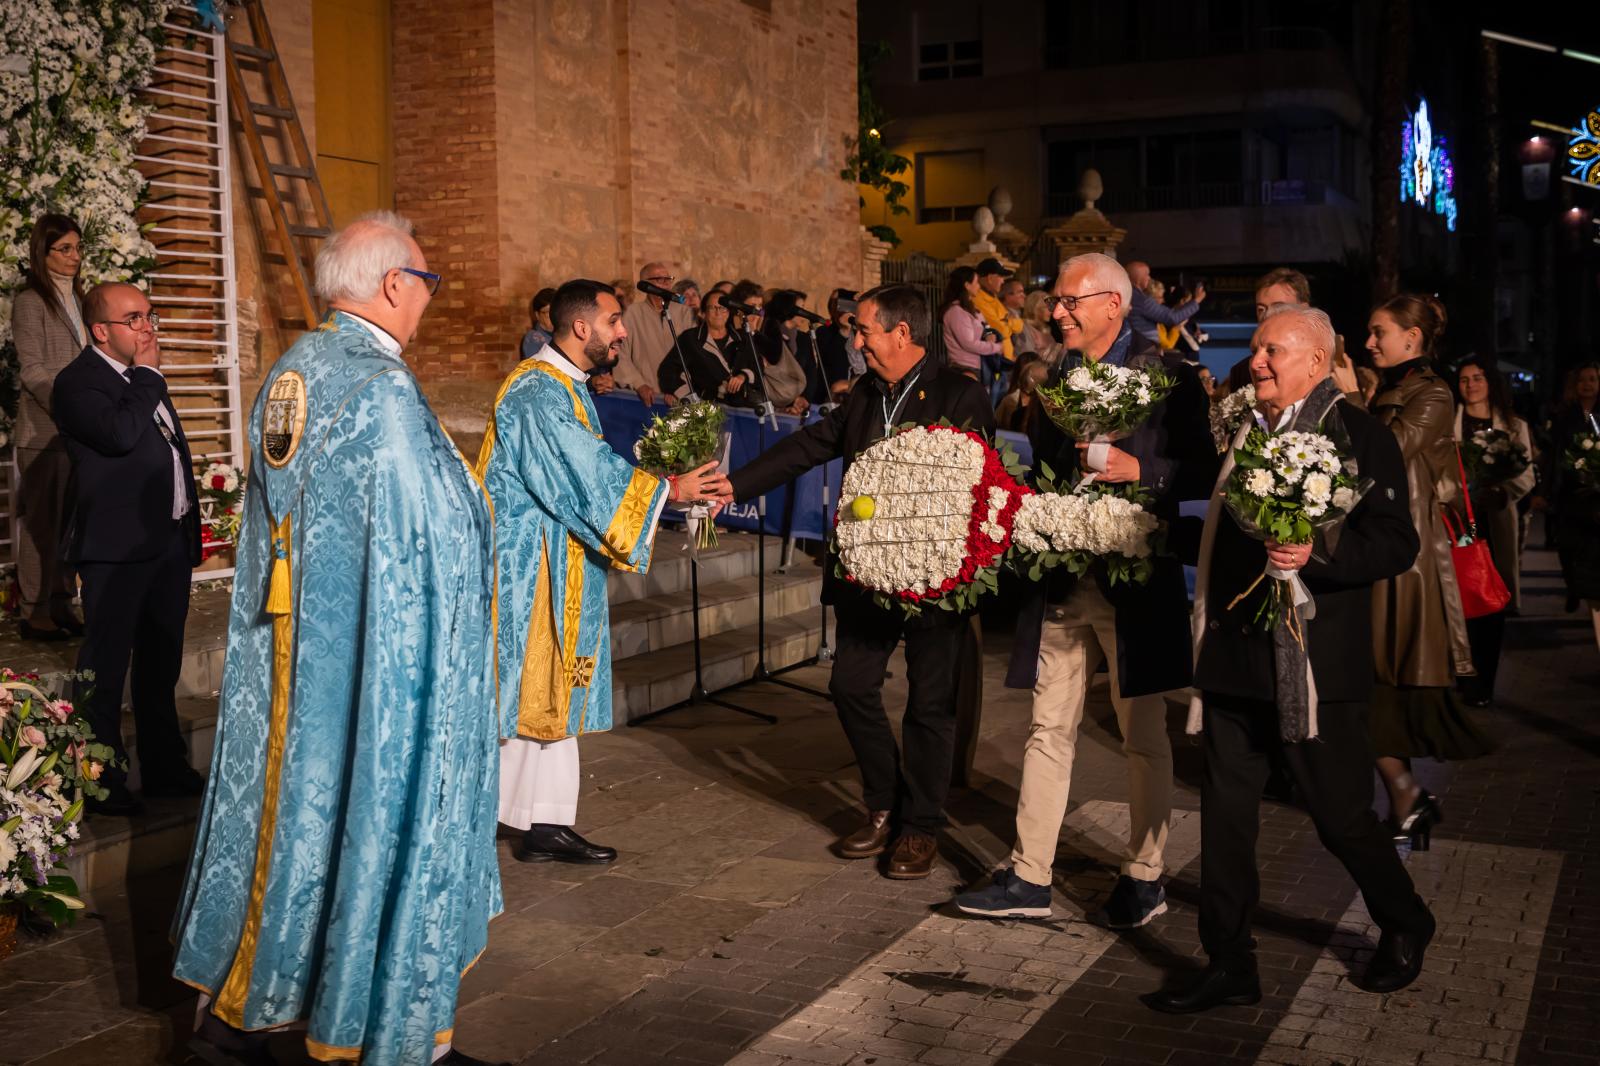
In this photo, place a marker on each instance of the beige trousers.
(1077, 635)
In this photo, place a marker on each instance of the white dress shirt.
(180, 494)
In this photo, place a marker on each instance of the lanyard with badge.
(891, 413)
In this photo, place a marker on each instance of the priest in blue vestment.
(567, 510)
(344, 873)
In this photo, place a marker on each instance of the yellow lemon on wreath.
(863, 508)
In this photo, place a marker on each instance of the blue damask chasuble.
(344, 869)
(567, 508)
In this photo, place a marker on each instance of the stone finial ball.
(983, 223)
(1090, 187)
(1000, 203)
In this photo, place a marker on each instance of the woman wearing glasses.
(47, 319)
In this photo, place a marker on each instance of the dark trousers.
(1485, 635)
(45, 581)
(137, 611)
(914, 787)
(969, 702)
(1334, 774)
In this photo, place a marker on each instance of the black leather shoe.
(1398, 960)
(558, 843)
(120, 803)
(1218, 986)
(43, 636)
(219, 1044)
(179, 781)
(71, 625)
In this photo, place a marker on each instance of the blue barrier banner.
(792, 510)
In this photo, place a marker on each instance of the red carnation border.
(982, 554)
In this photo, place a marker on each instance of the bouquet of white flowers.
(1101, 401)
(1286, 487)
(1229, 413)
(686, 438)
(1582, 459)
(1109, 526)
(925, 518)
(1493, 457)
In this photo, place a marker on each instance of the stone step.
(734, 557)
(657, 679)
(655, 622)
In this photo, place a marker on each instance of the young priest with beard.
(1262, 692)
(567, 510)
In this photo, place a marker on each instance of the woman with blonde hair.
(1419, 629)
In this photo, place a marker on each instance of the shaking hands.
(703, 484)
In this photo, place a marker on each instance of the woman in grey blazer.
(47, 323)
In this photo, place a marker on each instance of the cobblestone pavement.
(728, 933)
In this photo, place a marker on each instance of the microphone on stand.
(652, 289)
(810, 316)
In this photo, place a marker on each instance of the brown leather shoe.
(869, 840)
(913, 856)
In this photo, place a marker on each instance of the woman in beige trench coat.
(1418, 628)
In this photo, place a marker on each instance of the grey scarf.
(1297, 689)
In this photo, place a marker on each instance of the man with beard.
(567, 509)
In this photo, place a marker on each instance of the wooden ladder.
(277, 149)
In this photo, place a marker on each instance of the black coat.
(707, 372)
(119, 501)
(851, 428)
(1177, 461)
(1377, 541)
(833, 347)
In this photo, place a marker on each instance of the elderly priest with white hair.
(344, 873)
(1252, 683)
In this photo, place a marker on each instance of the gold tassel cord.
(1248, 591)
(234, 994)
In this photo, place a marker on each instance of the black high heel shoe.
(1417, 827)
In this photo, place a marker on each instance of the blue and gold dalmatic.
(344, 871)
(567, 508)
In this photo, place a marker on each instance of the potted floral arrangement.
(49, 764)
(221, 490)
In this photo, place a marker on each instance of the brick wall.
(539, 140)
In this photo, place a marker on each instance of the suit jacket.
(1177, 461)
(938, 392)
(1377, 541)
(119, 502)
(46, 343)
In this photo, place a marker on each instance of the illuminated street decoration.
(1583, 150)
(1427, 172)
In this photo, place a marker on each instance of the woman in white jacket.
(1486, 404)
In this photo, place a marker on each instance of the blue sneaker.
(1133, 903)
(1007, 896)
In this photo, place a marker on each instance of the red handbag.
(1483, 591)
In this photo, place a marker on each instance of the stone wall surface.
(538, 140)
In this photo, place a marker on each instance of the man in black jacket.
(133, 535)
(1068, 625)
(1306, 695)
(903, 386)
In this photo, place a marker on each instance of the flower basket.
(925, 517)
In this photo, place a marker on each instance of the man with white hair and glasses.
(1068, 624)
(344, 872)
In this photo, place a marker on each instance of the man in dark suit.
(133, 536)
(1068, 625)
(1257, 696)
(904, 385)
